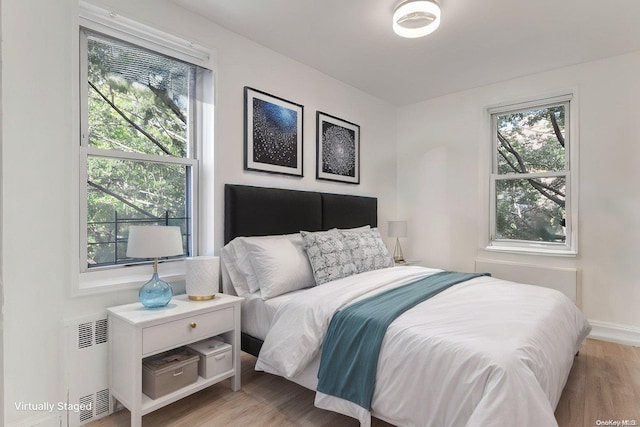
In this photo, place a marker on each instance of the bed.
(483, 352)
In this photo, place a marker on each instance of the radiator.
(86, 369)
(564, 280)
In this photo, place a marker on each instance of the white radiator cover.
(565, 280)
(86, 369)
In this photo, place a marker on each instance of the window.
(531, 177)
(141, 128)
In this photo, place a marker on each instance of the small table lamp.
(398, 229)
(154, 242)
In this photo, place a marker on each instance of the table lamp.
(398, 229)
(154, 242)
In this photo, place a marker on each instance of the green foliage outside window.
(138, 105)
(531, 208)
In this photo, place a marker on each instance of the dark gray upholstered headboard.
(259, 211)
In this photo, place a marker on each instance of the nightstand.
(411, 262)
(137, 332)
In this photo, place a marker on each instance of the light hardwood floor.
(604, 384)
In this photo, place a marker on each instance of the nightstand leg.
(235, 338)
(136, 419)
(235, 382)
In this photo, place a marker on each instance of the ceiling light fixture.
(416, 18)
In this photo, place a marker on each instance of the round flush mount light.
(416, 18)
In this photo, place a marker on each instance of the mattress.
(257, 314)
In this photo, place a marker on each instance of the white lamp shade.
(397, 228)
(154, 241)
(202, 276)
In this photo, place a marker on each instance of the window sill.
(131, 277)
(532, 251)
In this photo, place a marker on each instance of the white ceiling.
(479, 41)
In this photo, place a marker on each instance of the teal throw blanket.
(352, 344)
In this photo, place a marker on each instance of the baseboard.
(621, 334)
(50, 420)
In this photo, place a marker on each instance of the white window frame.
(117, 277)
(570, 246)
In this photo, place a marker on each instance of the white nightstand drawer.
(172, 334)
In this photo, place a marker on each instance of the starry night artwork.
(338, 147)
(273, 134)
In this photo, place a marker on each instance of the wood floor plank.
(604, 384)
(570, 409)
(633, 369)
(599, 401)
(610, 391)
(621, 381)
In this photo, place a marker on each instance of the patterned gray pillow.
(368, 250)
(330, 258)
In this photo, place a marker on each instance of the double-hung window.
(140, 145)
(531, 205)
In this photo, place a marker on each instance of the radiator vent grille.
(102, 402)
(93, 405)
(85, 335)
(92, 333)
(86, 368)
(102, 331)
(86, 411)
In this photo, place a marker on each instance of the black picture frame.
(273, 134)
(337, 149)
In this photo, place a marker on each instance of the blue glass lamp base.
(155, 293)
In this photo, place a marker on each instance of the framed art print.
(338, 149)
(272, 133)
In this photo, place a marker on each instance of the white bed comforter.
(483, 353)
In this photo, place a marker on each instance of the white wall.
(1, 279)
(36, 134)
(39, 55)
(443, 149)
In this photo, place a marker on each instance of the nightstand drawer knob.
(193, 325)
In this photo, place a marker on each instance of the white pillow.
(229, 261)
(227, 286)
(243, 263)
(235, 258)
(279, 265)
